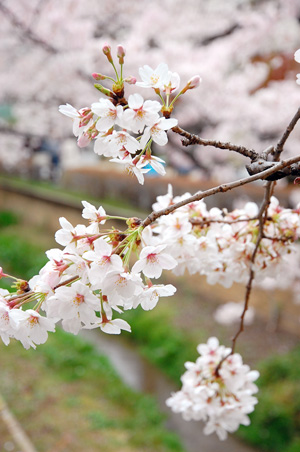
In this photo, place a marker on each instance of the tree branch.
(286, 134)
(223, 188)
(262, 216)
(195, 139)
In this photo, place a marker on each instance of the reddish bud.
(130, 80)
(120, 53)
(106, 49)
(297, 181)
(97, 76)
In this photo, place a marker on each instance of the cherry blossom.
(221, 398)
(140, 113)
(153, 261)
(109, 115)
(92, 214)
(30, 327)
(75, 305)
(156, 78)
(157, 131)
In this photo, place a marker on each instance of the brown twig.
(199, 222)
(195, 139)
(223, 188)
(279, 147)
(262, 220)
(262, 217)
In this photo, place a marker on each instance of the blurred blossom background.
(242, 49)
(244, 52)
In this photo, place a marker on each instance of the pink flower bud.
(120, 51)
(131, 80)
(106, 49)
(194, 82)
(97, 76)
(83, 141)
(121, 54)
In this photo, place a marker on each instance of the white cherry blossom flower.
(31, 328)
(109, 115)
(92, 214)
(114, 326)
(152, 261)
(102, 262)
(133, 167)
(123, 141)
(140, 113)
(172, 83)
(75, 304)
(121, 287)
(148, 299)
(155, 162)
(153, 78)
(69, 110)
(157, 131)
(6, 326)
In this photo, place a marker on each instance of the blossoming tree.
(102, 271)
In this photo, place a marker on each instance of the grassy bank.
(67, 397)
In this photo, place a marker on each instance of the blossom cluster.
(125, 129)
(220, 244)
(96, 276)
(85, 283)
(222, 396)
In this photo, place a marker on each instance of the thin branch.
(14, 20)
(195, 139)
(199, 222)
(223, 188)
(262, 216)
(262, 220)
(286, 134)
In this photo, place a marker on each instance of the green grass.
(8, 218)
(19, 257)
(47, 188)
(65, 389)
(275, 423)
